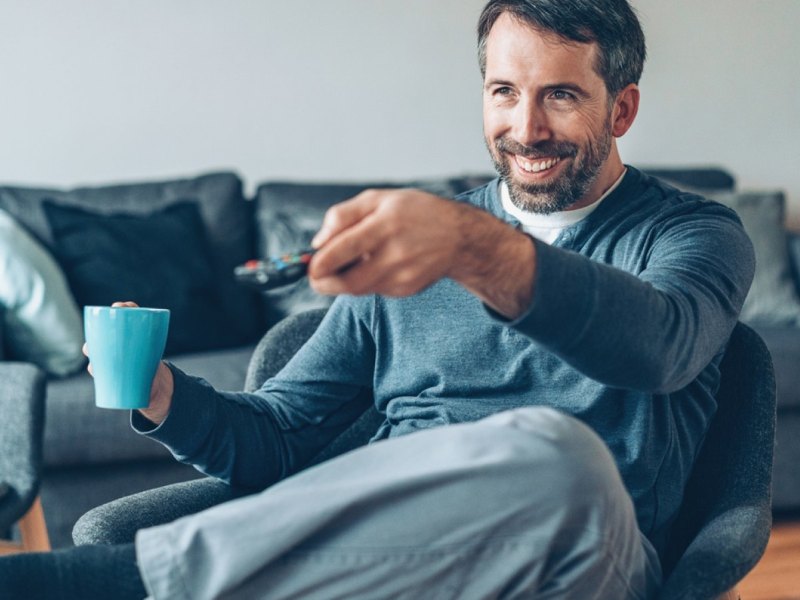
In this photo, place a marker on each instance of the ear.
(626, 106)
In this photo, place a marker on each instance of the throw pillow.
(158, 260)
(227, 218)
(41, 323)
(773, 299)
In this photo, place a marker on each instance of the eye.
(503, 90)
(562, 95)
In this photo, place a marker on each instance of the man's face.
(546, 117)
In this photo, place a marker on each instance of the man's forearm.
(498, 263)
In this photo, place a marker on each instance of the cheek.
(493, 127)
(576, 127)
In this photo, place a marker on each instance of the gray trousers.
(524, 504)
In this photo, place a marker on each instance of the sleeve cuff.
(188, 417)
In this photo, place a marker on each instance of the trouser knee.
(548, 454)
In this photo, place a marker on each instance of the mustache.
(545, 149)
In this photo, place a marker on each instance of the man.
(545, 351)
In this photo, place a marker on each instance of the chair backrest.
(725, 519)
(276, 348)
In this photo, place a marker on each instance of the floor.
(777, 576)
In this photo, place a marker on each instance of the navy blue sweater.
(632, 311)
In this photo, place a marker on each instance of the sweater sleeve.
(255, 439)
(654, 329)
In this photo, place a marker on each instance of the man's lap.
(526, 500)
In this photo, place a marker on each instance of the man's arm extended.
(398, 242)
(652, 330)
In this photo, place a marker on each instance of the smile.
(536, 166)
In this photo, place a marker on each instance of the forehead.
(514, 49)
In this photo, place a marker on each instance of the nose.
(530, 123)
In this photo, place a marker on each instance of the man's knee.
(551, 449)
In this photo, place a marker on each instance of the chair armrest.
(716, 560)
(22, 388)
(118, 521)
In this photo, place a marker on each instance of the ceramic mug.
(125, 347)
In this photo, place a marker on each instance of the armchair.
(719, 535)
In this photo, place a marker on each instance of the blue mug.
(125, 347)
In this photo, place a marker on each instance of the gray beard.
(564, 191)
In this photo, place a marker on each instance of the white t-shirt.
(547, 227)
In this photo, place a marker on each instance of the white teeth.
(537, 166)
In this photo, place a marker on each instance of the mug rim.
(132, 308)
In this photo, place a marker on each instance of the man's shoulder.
(661, 199)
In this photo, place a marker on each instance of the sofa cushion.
(226, 215)
(119, 256)
(784, 346)
(41, 323)
(773, 299)
(289, 214)
(78, 433)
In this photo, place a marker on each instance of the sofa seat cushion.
(227, 219)
(79, 433)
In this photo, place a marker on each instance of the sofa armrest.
(118, 521)
(22, 388)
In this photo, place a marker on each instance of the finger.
(126, 304)
(85, 350)
(345, 214)
(89, 368)
(347, 249)
(357, 280)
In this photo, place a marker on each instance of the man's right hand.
(160, 391)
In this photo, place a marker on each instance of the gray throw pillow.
(773, 298)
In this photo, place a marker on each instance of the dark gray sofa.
(91, 456)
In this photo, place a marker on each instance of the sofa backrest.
(225, 238)
(288, 214)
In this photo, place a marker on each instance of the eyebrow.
(491, 82)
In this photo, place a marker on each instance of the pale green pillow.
(41, 322)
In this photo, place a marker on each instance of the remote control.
(276, 271)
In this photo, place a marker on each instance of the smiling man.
(544, 351)
(551, 124)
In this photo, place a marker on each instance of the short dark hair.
(611, 23)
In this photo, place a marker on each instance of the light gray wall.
(101, 90)
(722, 86)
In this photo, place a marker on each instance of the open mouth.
(539, 165)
